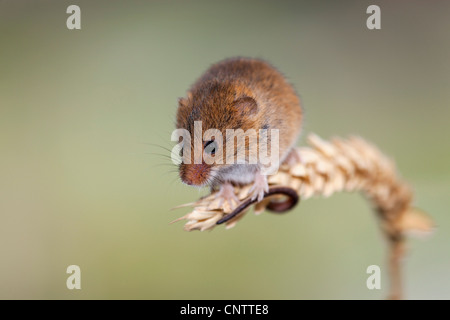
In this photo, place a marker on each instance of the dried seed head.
(324, 168)
(327, 167)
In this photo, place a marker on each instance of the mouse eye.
(211, 147)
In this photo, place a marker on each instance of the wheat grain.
(327, 167)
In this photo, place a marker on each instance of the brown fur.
(240, 93)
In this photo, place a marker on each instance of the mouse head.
(207, 112)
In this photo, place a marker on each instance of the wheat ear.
(326, 167)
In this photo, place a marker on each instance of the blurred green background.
(80, 182)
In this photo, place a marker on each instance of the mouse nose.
(195, 174)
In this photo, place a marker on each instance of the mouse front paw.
(260, 186)
(226, 194)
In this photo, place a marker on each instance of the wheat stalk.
(322, 169)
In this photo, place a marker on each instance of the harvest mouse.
(237, 93)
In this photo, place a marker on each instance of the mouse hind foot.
(259, 187)
(292, 158)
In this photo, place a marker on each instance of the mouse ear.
(182, 112)
(246, 105)
(182, 102)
